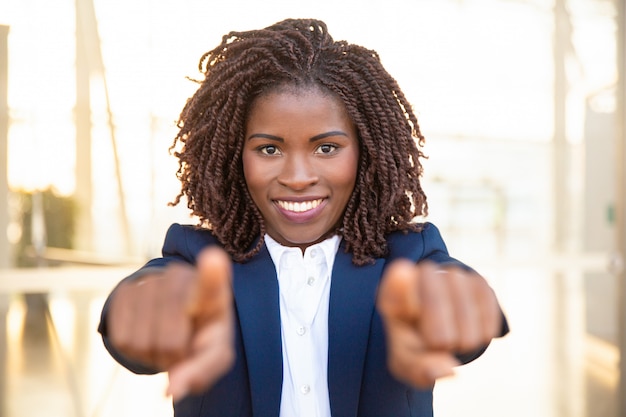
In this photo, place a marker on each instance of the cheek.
(348, 173)
(255, 176)
(344, 184)
(248, 173)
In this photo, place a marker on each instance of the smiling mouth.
(299, 206)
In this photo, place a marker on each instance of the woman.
(307, 288)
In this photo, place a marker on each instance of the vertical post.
(620, 197)
(5, 252)
(559, 206)
(84, 197)
(89, 63)
(5, 249)
(567, 381)
(559, 140)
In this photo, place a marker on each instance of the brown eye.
(269, 150)
(326, 148)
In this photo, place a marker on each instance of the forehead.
(308, 102)
(296, 92)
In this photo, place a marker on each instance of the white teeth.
(299, 207)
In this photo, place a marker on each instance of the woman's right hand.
(179, 320)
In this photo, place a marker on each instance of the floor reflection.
(56, 366)
(34, 372)
(549, 366)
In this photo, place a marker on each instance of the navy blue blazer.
(359, 383)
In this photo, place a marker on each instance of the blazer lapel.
(256, 297)
(352, 302)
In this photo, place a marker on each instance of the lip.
(300, 216)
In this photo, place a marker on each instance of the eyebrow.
(313, 139)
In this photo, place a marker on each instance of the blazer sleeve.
(424, 245)
(435, 249)
(182, 244)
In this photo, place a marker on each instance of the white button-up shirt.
(304, 287)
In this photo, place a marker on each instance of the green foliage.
(59, 213)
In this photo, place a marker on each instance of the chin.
(302, 242)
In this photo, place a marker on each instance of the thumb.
(398, 294)
(408, 358)
(212, 295)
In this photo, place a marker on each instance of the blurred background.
(522, 104)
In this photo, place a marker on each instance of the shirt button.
(310, 281)
(305, 389)
(301, 330)
(313, 253)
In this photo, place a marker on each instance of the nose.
(298, 172)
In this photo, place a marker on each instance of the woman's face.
(300, 163)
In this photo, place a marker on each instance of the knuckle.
(171, 353)
(439, 339)
(469, 342)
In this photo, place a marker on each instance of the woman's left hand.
(431, 314)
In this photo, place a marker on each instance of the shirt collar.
(327, 247)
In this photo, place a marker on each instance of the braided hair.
(297, 53)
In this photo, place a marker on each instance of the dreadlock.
(298, 53)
